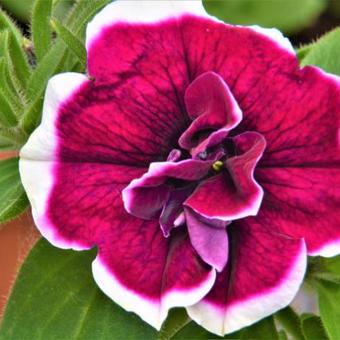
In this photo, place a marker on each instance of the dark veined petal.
(304, 202)
(264, 272)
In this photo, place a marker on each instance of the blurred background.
(303, 21)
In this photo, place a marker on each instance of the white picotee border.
(245, 313)
(152, 312)
(38, 155)
(141, 11)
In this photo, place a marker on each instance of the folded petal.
(209, 238)
(304, 202)
(212, 107)
(144, 197)
(263, 275)
(233, 193)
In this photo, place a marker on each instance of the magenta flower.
(197, 156)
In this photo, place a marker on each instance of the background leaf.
(41, 31)
(329, 297)
(13, 200)
(71, 41)
(312, 327)
(290, 322)
(287, 15)
(325, 53)
(55, 297)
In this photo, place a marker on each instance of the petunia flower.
(198, 158)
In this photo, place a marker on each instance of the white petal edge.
(276, 36)
(141, 11)
(328, 250)
(150, 311)
(247, 312)
(38, 154)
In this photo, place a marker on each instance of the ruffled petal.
(212, 107)
(263, 275)
(144, 197)
(209, 238)
(233, 193)
(304, 202)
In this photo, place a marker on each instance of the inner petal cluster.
(207, 183)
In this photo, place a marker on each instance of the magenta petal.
(212, 106)
(234, 193)
(209, 238)
(265, 271)
(304, 202)
(147, 273)
(136, 266)
(145, 196)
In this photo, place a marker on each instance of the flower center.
(217, 166)
(210, 181)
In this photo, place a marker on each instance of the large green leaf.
(329, 297)
(325, 53)
(13, 200)
(287, 15)
(55, 297)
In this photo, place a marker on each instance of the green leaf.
(290, 322)
(325, 269)
(325, 53)
(312, 327)
(71, 41)
(45, 70)
(177, 319)
(82, 12)
(20, 9)
(7, 116)
(7, 88)
(8, 71)
(13, 200)
(302, 51)
(329, 297)
(55, 297)
(287, 15)
(7, 23)
(264, 329)
(55, 61)
(41, 31)
(282, 335)
(19, 60)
